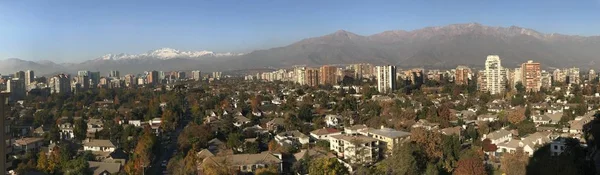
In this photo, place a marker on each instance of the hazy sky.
(78, 30)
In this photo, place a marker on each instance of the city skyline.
(64, 31)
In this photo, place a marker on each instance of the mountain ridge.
(431, 47)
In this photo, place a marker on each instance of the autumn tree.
(168, 120)
(272, 170)
(516, 116)
(431, 142)
(514, 163)
(470, 166)
(327, 166)
(142, 154)
(194, 136)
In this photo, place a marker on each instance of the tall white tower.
(386, 78)
(495, 74)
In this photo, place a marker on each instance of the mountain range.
(430, 47)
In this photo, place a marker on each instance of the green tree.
(77, 166)
(403, 161)
(80, 129)
(327, 166)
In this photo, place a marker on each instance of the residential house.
(29, 144)
(245, 163)
(240, 120)
(425, 124)
(104, 168)
(292, 138)
(324, 133)
(353, 130)
(333, 120)
(487, 117)
(498, 136)
(66, 131)
(541, 119)
(576, 126)
(357, 149)
(97, 145)
(557, 146)
(275, 123)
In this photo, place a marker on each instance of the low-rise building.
(292, 138)
(498, 136)
(389, 138)
(356, 149)
(99, 145)
(324, 133)
(29, 144)
(245, 163)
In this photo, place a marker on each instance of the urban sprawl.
(355, 119)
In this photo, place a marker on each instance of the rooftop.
(388, 132)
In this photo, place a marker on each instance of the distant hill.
(431, 47)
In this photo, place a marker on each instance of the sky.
(75, 31)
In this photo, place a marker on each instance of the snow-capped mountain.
(166, 53)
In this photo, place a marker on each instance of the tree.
(327, 166)
(470, 166)
(80, 129)
(526, 127)
(431, 142)
(516, 116)
(168, 120)
(488, 146)
(77, 166)
(514, 163)
(403, 161)
(272, 170)
(234, 140)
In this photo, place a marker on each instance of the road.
(167, 150)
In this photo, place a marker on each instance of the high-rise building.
(481, 81)
(83, 81)
(129, 80)
(216, 75)
(83, 73)
(162, 75)
(559, 76)
(197, 75)
(153, 78)
(592, 76)
(531, 76)
(573, 76)
(29, 78)
(19, 74)
(60, 84)
(415, 76)
(312, 77)
(327, 75)
(362, 70)
(181, 75)
(546, 79)
(114, 74)
(16, 87)
(386, 78)
(94, 78)
(6, 145)
(462, 75)
(516, 77)
(494, 74)
(300, 75)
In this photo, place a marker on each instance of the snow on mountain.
(167, 53)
